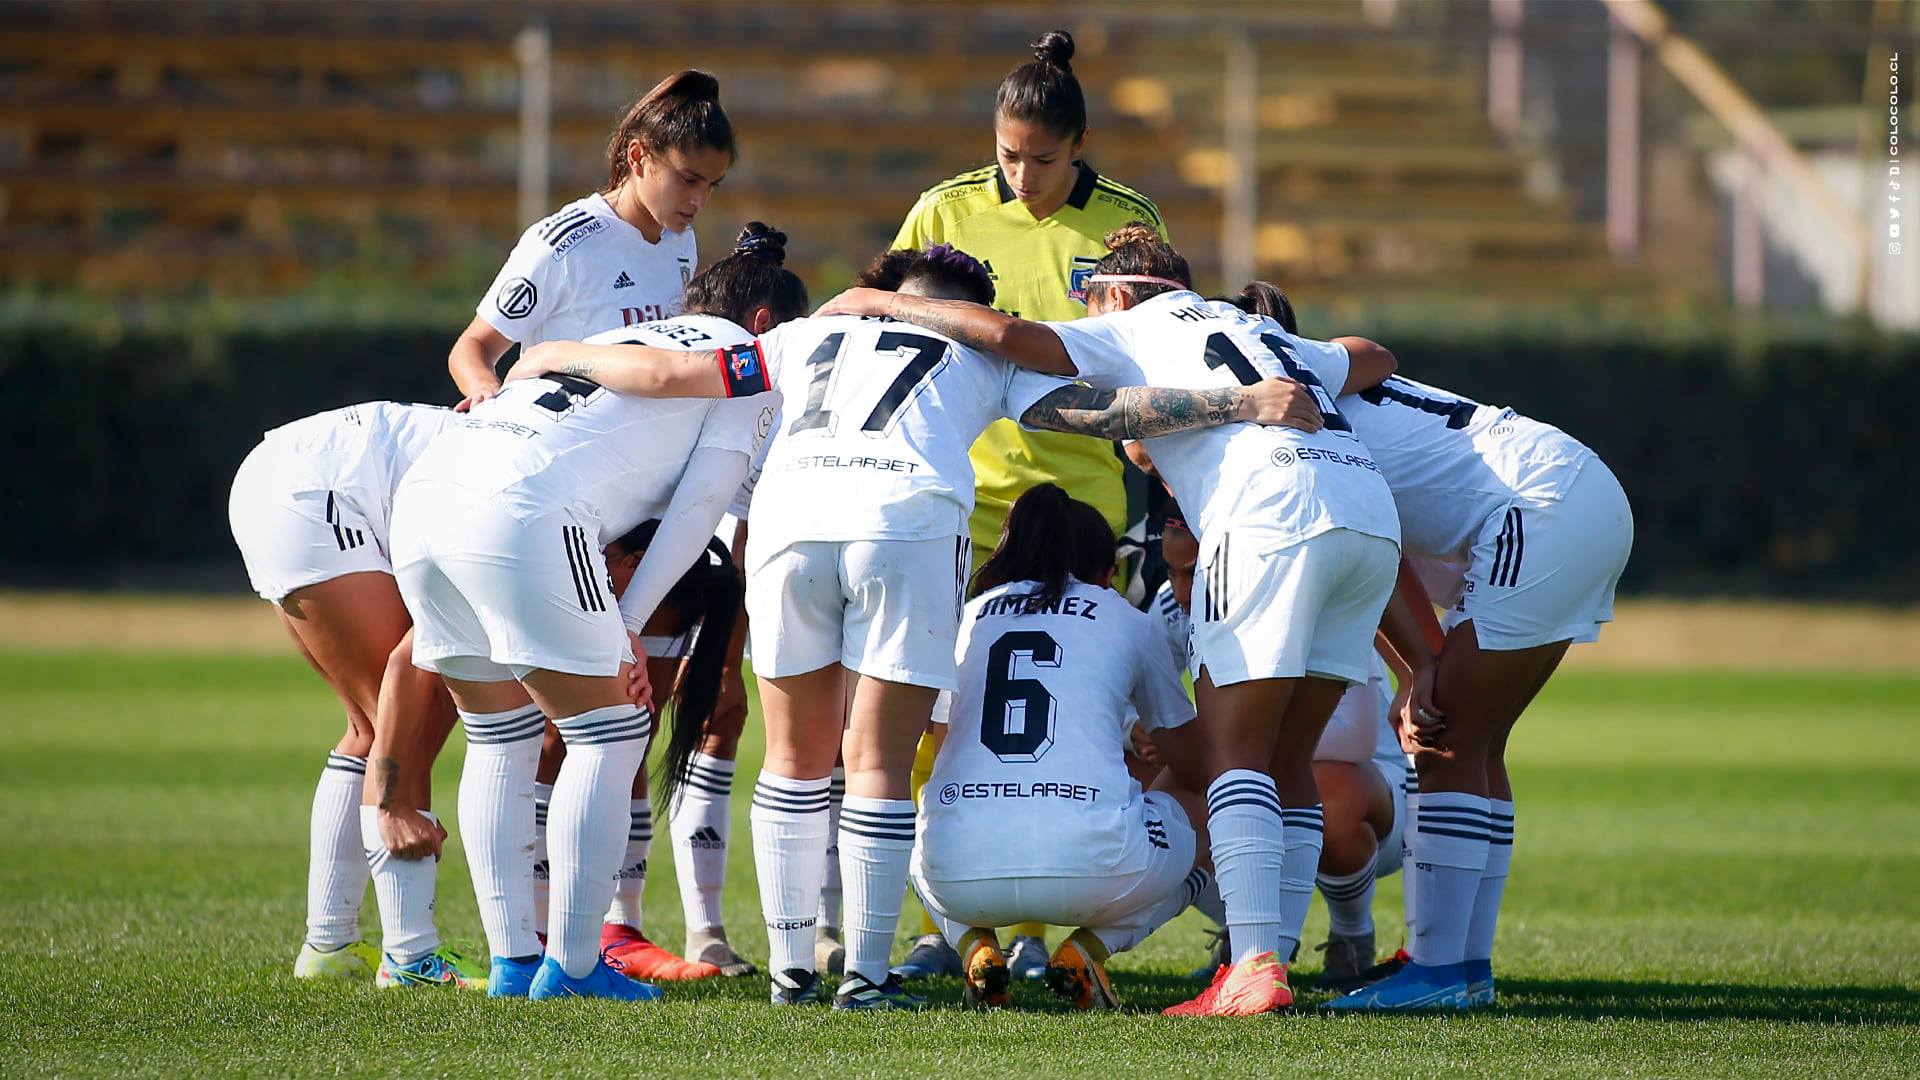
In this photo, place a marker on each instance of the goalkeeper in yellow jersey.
(1037, 218)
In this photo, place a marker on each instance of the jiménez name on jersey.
(835, 461)
(1032, 604)
(995, 789)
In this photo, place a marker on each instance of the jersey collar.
(1077, 198)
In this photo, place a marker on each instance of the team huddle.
(907, 508)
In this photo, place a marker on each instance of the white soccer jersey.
(361, 452)
(1275, 486)
(1037, 732)
(872, 442)
(583, 271)
(1452, 462)
(561, 443)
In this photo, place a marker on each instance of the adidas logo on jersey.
(623, 281)
(707, 838)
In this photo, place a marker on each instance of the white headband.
(1136, 279)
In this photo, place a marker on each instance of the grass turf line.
(1714, 877)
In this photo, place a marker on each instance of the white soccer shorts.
(1159, 855)
(888, 609)
(1352, 733)
(292, 532)
(1307, 609)
(493, 597)
(1544, 570)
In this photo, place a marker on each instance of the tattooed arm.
(1030, 344)
(1141, 412)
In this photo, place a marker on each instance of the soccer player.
(1358, 766)
(856, 560)
(1033, 815)
(309, 512)
(498, 537)
(620, 256)
(1299, 548)
(1037, 217)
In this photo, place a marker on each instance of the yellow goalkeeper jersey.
(1040, 270)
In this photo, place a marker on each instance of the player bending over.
(856, 556)
(498, 538)
(309, 510)
(1030, 814)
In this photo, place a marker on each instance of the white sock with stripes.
(1493, 883)
(1349, 901)
(789, 820)
(497, 824)
(336, 862)
(701, 824)
(542, 879)
(630, 879)
(404, 889)
(830, 891)
(1304, 838)
(587, 826)
(876, 844)
(1452, 854)
(1243, 822)
(1120, 938)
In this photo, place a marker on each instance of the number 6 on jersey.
(1018, 716)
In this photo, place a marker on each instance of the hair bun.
(762, 241)
(1133, 232)
(692, 85)
(1055, 47)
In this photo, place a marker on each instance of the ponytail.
(1043, 90)
(681, 112)
(1048, 536)
(712, 593)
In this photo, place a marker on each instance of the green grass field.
(1716, 875)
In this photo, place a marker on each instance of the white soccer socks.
(404, 889)
(542, 880)
(1243, 821)
(830, 891)
(789, 820)
(1493, 882)
(701, 824)
(588, 825)
(1349, 901)
(1450, 857)
(336, 862)
(497, 824)
(630, 880)
(1300, 863)
(1409, 902)
(876, 844)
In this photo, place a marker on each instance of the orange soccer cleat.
(628, 951)
(986, 977)
(1253, 986)
(1078, 973)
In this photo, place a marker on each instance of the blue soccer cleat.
(441, 967)
(1413, 988)
(552, 981)
(511, 978)
(1479, 976)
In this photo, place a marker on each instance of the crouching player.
(1030, 814)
